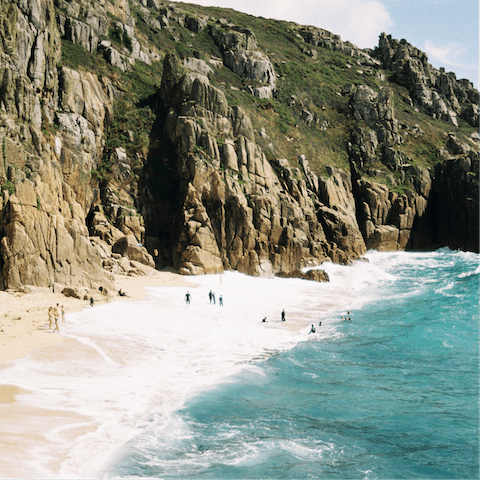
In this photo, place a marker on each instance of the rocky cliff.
(140, 134)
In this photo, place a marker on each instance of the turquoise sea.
(212, 392)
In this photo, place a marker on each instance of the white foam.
(469, 274)
(146, 358)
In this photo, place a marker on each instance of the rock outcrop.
(46, 172)
(45, 177)
(390, 220)
(313, 274)
(379, 137)
(89, 24)
(241, 55)
(441, 93)
(238, 212)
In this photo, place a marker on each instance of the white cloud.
(359, 21)
(444, 55)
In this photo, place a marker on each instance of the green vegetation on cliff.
(307, 115)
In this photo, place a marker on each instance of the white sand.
(23, 330)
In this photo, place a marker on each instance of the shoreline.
(69, 450)
(24, 331)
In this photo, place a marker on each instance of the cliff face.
(200, 183)
(238, 211)
(46, 181)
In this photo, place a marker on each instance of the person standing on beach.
(50, 317)
(220, 301)
(55, 318)
(63, 313)
(56, 324)
(210, 296)
(283, 315)
(187, 298)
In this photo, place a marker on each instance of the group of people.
(283, 319)
(312, 330)
(54, 314)
(264, 320)
(211, 297)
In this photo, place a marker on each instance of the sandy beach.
(24, 330)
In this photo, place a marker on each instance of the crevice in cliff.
(359, 209)
(160, 197)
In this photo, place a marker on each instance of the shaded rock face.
(337, 214)
(441, 210)
(455, 204)
(391, 221)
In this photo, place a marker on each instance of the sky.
(446, 30)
